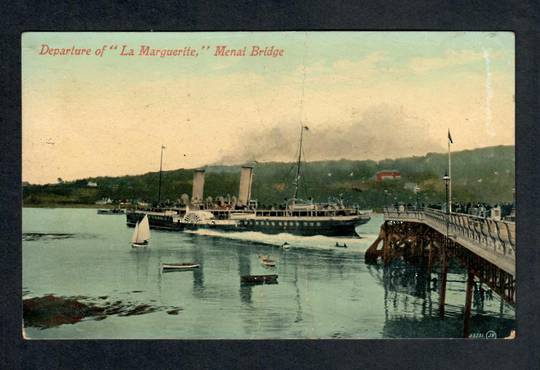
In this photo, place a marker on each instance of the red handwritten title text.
(149, 51)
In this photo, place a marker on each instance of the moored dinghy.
(167, 267)
(259, 279)
(141, 234)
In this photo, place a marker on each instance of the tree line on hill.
(479, 175)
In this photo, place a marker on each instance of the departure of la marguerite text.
(149, 51)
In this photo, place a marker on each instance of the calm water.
(323, 292)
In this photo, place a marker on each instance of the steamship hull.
(165, 222)
(156, 220)
(304, 226)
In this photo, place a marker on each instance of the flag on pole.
(306, 128)
(450, 137)
(163, 147)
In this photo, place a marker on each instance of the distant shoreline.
(53, 205)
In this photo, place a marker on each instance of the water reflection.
(482, 295)
(409, 292)
(297, 295)
(141, 257)
(408, 301)
(405, 278)
(198, 273)
(244, 268)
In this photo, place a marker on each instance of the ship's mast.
(297, 180)
(160, 171)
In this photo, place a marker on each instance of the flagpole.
(449, 205)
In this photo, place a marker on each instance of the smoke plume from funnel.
(384, 131)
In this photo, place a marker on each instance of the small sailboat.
(141, 235)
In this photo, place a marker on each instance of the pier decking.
(493, 240)
(484, 246)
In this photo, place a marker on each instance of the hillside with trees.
(479, 175)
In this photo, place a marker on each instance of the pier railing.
(494, 240)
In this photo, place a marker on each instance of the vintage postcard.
(268, 185)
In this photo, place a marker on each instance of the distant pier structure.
(485, 247)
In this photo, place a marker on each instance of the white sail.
(135, 232)
(144, 230)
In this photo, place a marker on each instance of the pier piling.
(430, 257)
(486, 254)
(442, 286)
(468, 301)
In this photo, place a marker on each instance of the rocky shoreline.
(51, 311)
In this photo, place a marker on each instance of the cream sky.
(363, 95)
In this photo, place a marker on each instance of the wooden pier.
(485, 247)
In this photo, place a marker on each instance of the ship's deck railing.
(493, 239)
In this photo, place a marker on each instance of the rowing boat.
(179, 266)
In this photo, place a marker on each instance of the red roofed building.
(387, 175)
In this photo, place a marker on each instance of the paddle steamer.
(296, 216)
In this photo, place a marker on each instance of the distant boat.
(113, 211)
(141, 234)
(341, 246)
(286, 246)
(166, 267)
(267, 262)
